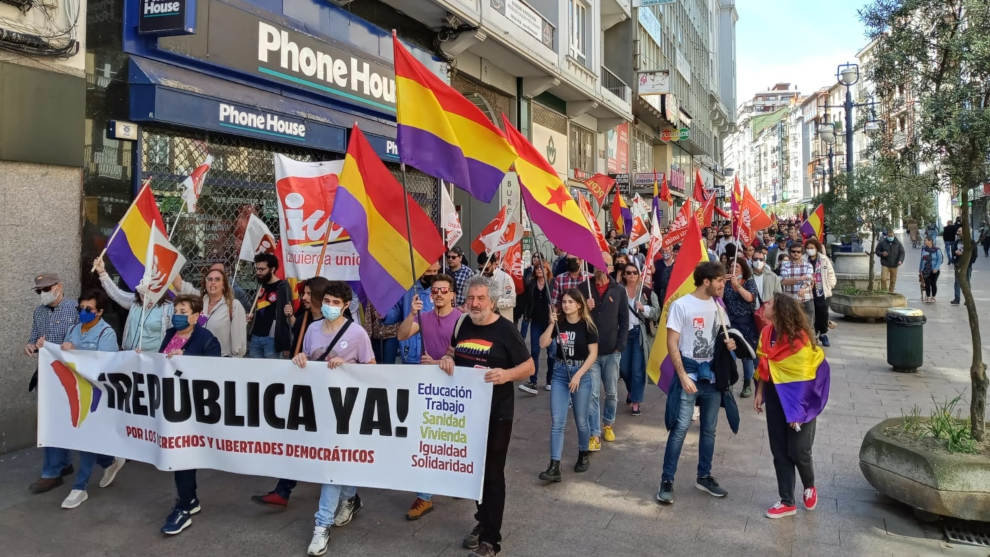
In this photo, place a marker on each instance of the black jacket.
(611, 316)
(538, 302)
(891, 254)
(201, 342)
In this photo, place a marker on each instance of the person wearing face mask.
(891, 254)
(270, 334)
(741, 294)
(411, 348)
(186, 338)
(573, 277)
(91, 333)
(767, 282)
(621, 260)
(142, 330)
(610, 311)
(825, 281)
(929, 269)
(503, 287)
(52, 320)
(313, 289)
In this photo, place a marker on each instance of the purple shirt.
(354, 346)
(437, 332)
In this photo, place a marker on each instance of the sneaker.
(194, 507)
(810, 498)
(473, 540)
(347, 510)
(608, 433)
(111, 472)
(45, 484)
(484, 549)
(76, 497)
(418, 509)
(780, 510)
(665, 494)
(595, 443)
(528, 388)
(635, 409)
(954, 302)
(747, 391)
(824, 340)
(710, 486)
(546, 387)
(177, 521)
(321, 539)
(272, 499)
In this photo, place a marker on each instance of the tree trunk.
(977, 369)
(872, 254)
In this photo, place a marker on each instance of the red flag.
(192, 186)
(705, 213)
(699, 188)
(512, 263)
(751, 210)
(585, 207)
(665, 192)
(490, 235)
(599, 185)
(679, 228)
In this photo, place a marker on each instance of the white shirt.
(697, 322)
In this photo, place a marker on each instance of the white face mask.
(811, 252)
(758, 264)
(47, 298)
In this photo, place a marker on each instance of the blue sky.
(796, 41)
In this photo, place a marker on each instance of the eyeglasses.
(452, 256)
(45, 289)
(440, 290)
(214, 279)
(632, 272)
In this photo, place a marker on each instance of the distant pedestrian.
(797, 279)
(929, 268)
(891, 254)
(825, 281)
(956, 261)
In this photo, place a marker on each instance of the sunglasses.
(45, 289)
(632, 272)
(440, 290)
(795, 252)
(452, 256)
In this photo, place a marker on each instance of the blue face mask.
(86, 316)
(180, 321)
(890, 238)
(329, 312)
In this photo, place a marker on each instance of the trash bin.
(905, 338)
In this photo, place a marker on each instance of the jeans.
(492, 506)
(956, 288)
(605, 370)
(632, 366)
(524, 330)
(55, 459)
(790, 449)
(261, 347)
(560, 396)
(535, 330)
(330, 495)
(86, 462)
(386, 350)
(710, 400)
(185, 486)
(749, 367)
(284, 488)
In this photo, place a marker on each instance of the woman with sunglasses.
(644, 310)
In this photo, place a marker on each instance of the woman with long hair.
(313, 289)
(222, 314)
(929, 269)
(538, 296)
(794, 383)
(577, 350)
(825, 281)
(740, 304)
(644, 309)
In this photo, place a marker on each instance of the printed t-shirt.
(695, 319)
(573, 340)
(264, 311)
(437, 331)
(354, 346)
(497, 345)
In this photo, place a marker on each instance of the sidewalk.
(608, 510)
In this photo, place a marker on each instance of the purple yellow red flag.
(371, 205)
(549, 203)
(621, 215)
(128, 245)
(814, 225)
(660, 368)
(799, 372)
(442, 133)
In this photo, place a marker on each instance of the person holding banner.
(186, 338)
(493, 345)
(140, 332)
(577, 351)
(90, 333)
(224, 316)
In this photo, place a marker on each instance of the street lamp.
(827, 133)
(848, 74)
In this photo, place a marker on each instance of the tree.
(939, 50)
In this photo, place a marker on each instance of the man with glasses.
(52, 321)
(797, 279)
(460, 272)
(437, 326)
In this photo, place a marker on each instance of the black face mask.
(573, 265)
(426, 280)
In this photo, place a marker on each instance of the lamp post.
(848, 74)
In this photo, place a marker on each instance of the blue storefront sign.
(167, 17)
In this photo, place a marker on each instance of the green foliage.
(913, 424)
(945, 424)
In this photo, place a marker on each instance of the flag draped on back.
(799, 372)
(371, 205)
(128, 246)
(442, 133)
(660, 368)
(814, 225)
(549, 203)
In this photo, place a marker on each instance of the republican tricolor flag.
(814, 225)
(127, 248)
(799, 371)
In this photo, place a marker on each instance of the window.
(578, 23)
(582, 149)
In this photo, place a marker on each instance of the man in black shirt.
(270, 335)
(488, 341)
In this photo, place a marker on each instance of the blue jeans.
(632, 366)
(749, 367)
(710, 402)
(535, 330)
(956, 289)
(560, 396)
(86, 462)
(262, 347)
(55, 459)
(525, 327)
(330, 495)
(605, 370)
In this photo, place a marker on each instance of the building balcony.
(615, 86)
(614, 12)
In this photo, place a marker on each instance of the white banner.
(402, 427)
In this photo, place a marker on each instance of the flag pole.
(412, 257)
(176, 221)
(117, 229)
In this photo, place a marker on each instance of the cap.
(44, 280)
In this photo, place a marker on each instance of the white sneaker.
(346, 511)
(546, 387)
(111, 472)
(76, 497)
(321, 539)
(528, 388)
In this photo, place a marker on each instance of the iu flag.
(490, 234)
(512, 263)
(511, 235)
(162, 264)
(639, 234)
(257, 239)
(448, 218)
(192, 186)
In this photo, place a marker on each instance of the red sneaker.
(810, 498)
(780, 510)
(273, 499)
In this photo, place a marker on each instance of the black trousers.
(791, 449)
(492, 506)
(821, 315)
(931, 284)
(185, 486)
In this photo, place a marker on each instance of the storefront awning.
(169, 94)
